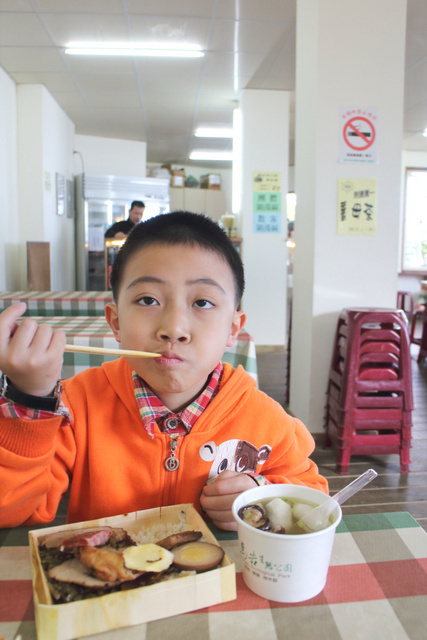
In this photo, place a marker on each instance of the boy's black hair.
(179, 228)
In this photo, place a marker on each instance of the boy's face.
(178, 301)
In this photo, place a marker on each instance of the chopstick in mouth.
(74, 348)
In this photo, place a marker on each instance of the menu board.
(267, 202)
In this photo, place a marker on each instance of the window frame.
(410, 269)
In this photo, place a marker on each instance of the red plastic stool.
(369, 395)
(420, 315)
(402, 297)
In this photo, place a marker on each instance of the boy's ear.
(112, 318)
(236, 327)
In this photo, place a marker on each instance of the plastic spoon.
(317, 518)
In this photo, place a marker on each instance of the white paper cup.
(285, 568)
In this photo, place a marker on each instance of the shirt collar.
(153, 412)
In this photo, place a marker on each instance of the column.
(264, 185)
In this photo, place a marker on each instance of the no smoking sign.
(358, 136)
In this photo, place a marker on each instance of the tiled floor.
(391, 491)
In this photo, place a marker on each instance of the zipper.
(171, 464)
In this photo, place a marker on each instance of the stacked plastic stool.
(369, 395)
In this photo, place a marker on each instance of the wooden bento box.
(135, 606)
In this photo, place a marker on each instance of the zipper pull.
(172, 463)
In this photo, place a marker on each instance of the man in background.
(121, 229)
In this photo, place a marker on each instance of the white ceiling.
(248, 43)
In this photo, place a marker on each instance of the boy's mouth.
(168, 358)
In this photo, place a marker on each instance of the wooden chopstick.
(74, 348)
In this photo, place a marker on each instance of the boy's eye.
(147, 301)
(203, 304)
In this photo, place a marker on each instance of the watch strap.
(39, 403)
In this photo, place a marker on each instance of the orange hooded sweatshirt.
(113, 464)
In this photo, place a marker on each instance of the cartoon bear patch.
(234, 455)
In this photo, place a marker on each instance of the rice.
(157, 532)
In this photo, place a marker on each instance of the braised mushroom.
(179, 538)
(255, 515)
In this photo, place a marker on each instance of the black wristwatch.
(39, 403)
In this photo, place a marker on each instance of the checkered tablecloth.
(95, 331)
(58, 303)
(376, 589)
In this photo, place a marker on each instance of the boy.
(139, 433)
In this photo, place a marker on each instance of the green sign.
(267, 202)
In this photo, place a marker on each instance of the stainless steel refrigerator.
(100, 201)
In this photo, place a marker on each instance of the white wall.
(45, 147)
(9, 219)
(110, 156)
(58, 139)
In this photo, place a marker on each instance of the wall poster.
(357, 206)
(60, 194)
(267, 202)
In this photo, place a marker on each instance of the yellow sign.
(357, 206)
(267, 181)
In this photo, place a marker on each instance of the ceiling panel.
(228, 63)
(31, 60)
(181, 8)
(182, 117)
(89, 27)
(22, 29)
(80, 65)
(52, 81)
(246, 36)
(162, 100)
(69, 100)
(16, 5)
(152, 86)
(165, 29)
(222, 115)
(79, 6)
(120, 83)
(113, 98)
(166, 67)
(274, 10)
(177, 103)
(416, 119)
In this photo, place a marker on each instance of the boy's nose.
(174, 328)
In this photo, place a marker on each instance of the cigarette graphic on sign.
(362, 132)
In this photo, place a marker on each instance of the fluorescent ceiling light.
(172, 50)
(211, 155)
(236, 178)
(425, 133)
(214, 132)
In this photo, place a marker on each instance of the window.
(414, 256)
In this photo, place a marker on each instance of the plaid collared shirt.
(153, 412)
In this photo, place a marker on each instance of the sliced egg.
(148, 557)
(197, 556)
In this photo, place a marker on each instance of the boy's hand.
(30, 354)
(218, 497)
